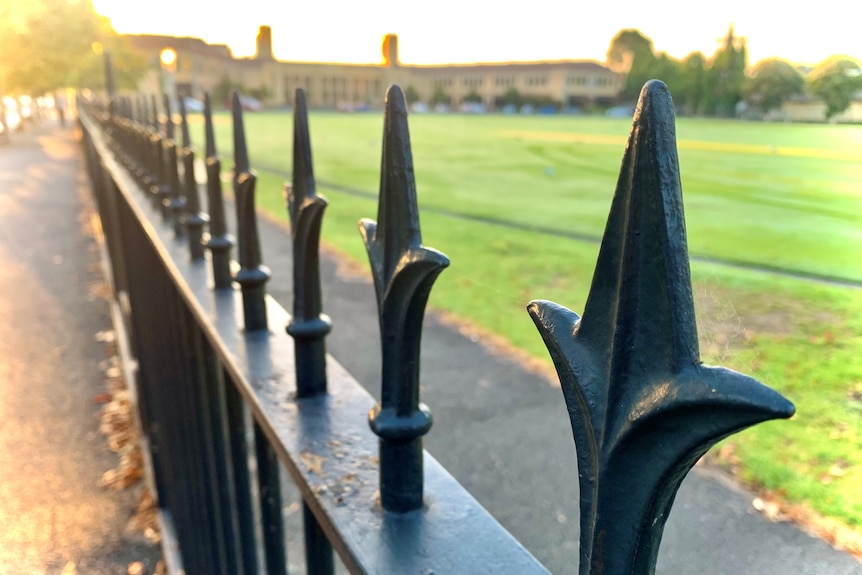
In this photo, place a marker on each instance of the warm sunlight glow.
(456, 31)
(168, 58)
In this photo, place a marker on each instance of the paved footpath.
(54, 518)
(504, 433)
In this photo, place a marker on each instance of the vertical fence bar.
(404, 272)
(213, 392)
(272, 516)
(308, 325)
(239, 450)
(198, 421)
(252, 278)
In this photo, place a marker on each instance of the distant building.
(202, 67)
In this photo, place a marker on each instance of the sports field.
(519, 204)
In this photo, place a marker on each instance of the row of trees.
(715, 86)
(50, 44)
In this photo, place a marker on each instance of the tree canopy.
(49, 44)
(772, 81)
(835, 80)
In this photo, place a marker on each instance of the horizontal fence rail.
(232, 388)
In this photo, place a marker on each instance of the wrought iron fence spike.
(184, 124)
(154, 119)
(194, 218)
(173, 203)
(308, 325)
(240, 151)
(209, 134)
(643, 407)
(219, 242)
(404, 272)
(169, 120)
(252, 275)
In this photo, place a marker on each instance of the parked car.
(250, 104)
(193, 104)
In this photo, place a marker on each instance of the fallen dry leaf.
(313, 462)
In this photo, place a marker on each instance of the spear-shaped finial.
(308, 325)
(158, 166)
(643, 407)
(252, 275)
(173, 203)
(219, 242)
(404, 272)
(194, 219)
(154, 108)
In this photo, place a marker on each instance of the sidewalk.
(54, 518)
(504, 433)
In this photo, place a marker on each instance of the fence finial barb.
(404, 272)
(173, 202)
(169, 119)
(219, 242)
(643, 407)
(240, 151)
(209, 133)
(184, 124)
(308, 324)
(252, 274)
(154, 108)
(195, 219)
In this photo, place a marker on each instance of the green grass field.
(775, 195)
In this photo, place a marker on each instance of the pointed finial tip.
(300, 98)
(206, 98)
(395, 99)
(655, 95)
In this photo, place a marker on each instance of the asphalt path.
(54, 518)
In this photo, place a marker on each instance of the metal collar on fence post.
(404, 272)
(308, 324)
(643, 407)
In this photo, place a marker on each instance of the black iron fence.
(232, 388)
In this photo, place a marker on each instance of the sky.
(459, 31)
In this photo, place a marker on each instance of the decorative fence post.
(194, 218)
(643, 407)
(173, 203)
(404, 272)
(252, 275)
(308, 325)
(219, 242)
